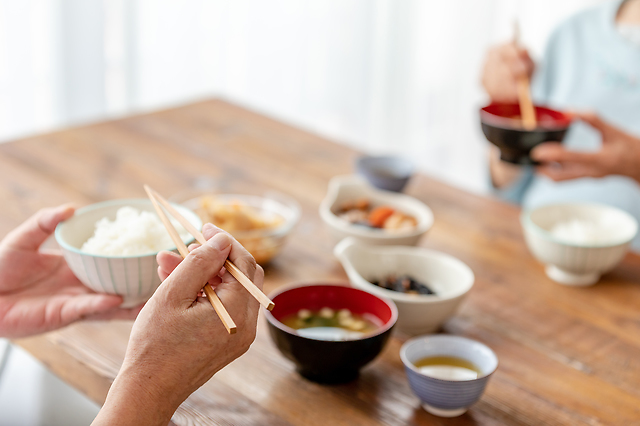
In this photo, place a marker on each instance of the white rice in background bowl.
(598, 231)
(112, 246)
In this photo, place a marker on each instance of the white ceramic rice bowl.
(576, 264)
(135, 278)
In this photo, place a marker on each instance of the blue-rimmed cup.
(135, 277)
(447, 398)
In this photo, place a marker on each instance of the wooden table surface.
(566, 355)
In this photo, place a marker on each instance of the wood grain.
(568, 356)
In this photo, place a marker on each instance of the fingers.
(594, 120)
(517, 59)
(547, 152)
(238, 255)
(35, 230)
(610, 133)
(558, 172)
(553, 152)
(116, 314)
(199, 267)
(561, 164)
(86, 305)
(504, 65)
(167, 262)
(230, 291)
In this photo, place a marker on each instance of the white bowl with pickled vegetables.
(260, 223)
(112, 246)
(427, 286)
(353, 208)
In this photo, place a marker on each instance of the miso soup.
(330, 324)
(448, 368)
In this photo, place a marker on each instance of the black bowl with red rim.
(330, 361)
(502, 126)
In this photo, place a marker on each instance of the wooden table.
(567, 355)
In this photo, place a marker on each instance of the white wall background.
(396, 76)
(381, 75)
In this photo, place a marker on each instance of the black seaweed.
(403, 284)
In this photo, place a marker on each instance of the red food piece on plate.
(379, 215)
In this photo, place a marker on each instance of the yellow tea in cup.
(448, 368)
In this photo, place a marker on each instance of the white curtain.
(393, 76)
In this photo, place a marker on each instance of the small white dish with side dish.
(347, 189)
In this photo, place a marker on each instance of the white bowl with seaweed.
(449, 278)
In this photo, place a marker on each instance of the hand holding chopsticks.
(156, 199)
(175, 345)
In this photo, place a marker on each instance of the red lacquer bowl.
(329, 361)
(502, 127)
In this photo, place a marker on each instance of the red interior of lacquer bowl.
(507, 115)
(315, 297)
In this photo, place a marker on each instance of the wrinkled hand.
(178, 342)
(38, 291)
(619, 155)
(502, 68)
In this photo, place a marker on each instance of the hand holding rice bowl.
(133, 276)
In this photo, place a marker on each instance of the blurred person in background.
(591, 63)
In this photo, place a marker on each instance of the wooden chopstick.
(527, 110)
(233, 269)
(215, 301)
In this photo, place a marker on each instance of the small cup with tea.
(447, 373)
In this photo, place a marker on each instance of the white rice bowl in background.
(597, 231)
(578, 242)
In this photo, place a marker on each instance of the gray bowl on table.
(386, 172)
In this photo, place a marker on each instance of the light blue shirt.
(588, 65)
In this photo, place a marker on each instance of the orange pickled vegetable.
(379, 215)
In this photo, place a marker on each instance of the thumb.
(35, 230)
(200, 266)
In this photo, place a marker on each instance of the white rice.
(588, 232)
(132, 233)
